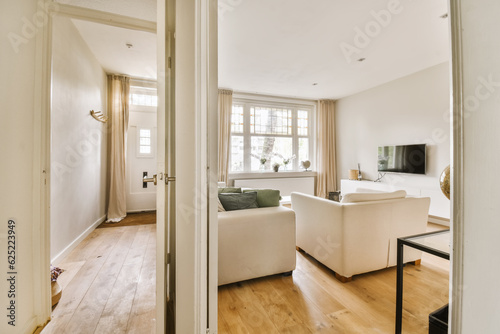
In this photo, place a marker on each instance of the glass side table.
(436, 243)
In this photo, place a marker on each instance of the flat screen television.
(408, 159)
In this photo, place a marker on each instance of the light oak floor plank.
(77, 288)
(228, 308)
(142, 315)
(115, 316)
(251, 310)
(88, 313)
(109, 278)
(312, 300)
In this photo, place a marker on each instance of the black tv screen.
(402, 159)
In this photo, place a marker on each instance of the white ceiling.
(282, 47)
(108, 44)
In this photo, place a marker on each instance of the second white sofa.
(359, 236)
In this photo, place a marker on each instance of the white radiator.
(285, 185)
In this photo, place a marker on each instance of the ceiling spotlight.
(361, 59)
(129, 45)
(445, 15)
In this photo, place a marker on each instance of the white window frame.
(138, 142)
(142, 87)
(250, 100)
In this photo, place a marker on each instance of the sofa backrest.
(366, 223)
(364, 233)
(372, 196)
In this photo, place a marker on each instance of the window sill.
(270, 175)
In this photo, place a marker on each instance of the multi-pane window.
(237, 119)
(143, 95)
(303, 122)
(262, 136)
(274, 121)
(143, 100)
(145, 144)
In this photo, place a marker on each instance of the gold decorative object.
(444, 181)
(353, 174)
(305, 164)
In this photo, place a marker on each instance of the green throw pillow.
(266, 197)
(236, 201)
(229, 190)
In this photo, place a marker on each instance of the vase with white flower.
(286, 161)
(263, 163)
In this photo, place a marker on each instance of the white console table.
(439, 211)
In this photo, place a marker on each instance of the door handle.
(169, 179)
(150, 179)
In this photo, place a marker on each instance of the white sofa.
(360, 234)
(255, 243)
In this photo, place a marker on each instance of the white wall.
(410, 110)
(481, 185)
(78, 157)
(19, 143)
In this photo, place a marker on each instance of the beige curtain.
(118, 110)
(225, 100)
(325, 155)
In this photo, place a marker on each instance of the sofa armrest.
(319, 228)
(255, 243)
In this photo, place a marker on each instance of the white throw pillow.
(368, 197)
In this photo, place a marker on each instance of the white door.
(141, 159)
(189, 95)
(164, 158)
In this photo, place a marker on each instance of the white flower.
(287, 161)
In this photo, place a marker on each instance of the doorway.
(99, 262)
(335, 28)
(141, 146)
(194, 120)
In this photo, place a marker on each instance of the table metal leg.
(399, 289)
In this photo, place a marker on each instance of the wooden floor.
(313, 301)
(109, 283)
(109, 287)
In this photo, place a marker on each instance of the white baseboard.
(75, 242)
(439, 220)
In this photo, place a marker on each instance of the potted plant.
(276, 166)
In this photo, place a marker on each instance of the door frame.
(196, 153)
(457, 171)
(200, 19)
(42, 163)
(206, 37)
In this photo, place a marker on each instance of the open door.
(187, 167)
(165, 176)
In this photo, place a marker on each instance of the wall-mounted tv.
(402, 159)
